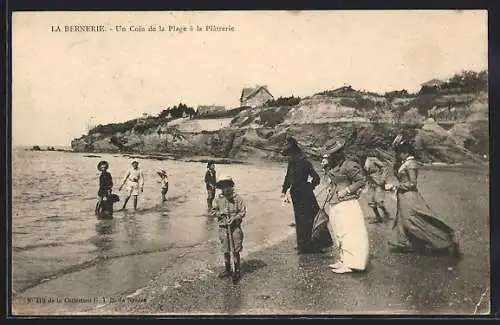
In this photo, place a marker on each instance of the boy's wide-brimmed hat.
(102, 163)
(134, 162)
(225, 181)
(162, 172)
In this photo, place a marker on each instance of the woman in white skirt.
(347, 223)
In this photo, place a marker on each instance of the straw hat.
(162, 173)
(102, 163)
(225, 180)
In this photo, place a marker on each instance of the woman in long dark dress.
(416, 228)
(305, 205)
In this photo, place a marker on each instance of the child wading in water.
(164, 184)
(229, 209)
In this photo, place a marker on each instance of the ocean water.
(55, 233)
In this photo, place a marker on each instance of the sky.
(64, 81)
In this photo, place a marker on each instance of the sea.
(56, 235)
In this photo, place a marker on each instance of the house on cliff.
(255, 97)
(206, 109)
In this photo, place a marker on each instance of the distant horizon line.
(42, 146)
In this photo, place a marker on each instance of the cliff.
(451, 127)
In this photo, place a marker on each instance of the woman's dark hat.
(224, 180)
(102, 163)
(211, 162)
(291, 146)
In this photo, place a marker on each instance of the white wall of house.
(258, 99)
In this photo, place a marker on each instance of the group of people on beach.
(134, 182)
(416, 227)
(340, 221)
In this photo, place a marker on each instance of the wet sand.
(181, 278)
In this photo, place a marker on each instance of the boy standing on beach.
(229, 209)
(135, 181)
(210, 180)
(164, 184)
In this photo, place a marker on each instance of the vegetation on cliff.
(457, 132)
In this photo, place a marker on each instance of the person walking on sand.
(346, 218)
(210, 182)
(135, 184)
(230, 209)
(305, 205)
(164, 184)
(376, 176)
(416, 227)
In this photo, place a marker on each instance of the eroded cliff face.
(367, 122)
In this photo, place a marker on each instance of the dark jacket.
(298, 171)
(105, 183)
(210, 179)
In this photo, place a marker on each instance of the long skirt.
(305, 208)
(416, 227)
(349, 231)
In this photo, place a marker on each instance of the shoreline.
(276, 280)
(230, 161)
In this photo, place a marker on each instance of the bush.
(177, 111)
(359, 103)
(283, 101)
(112, 128)
(225, 114)
(272, 117)
(147, 124)
(424, 102)
(465, 81)
(398, 94)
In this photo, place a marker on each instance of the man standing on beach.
(210, 181)
(135, 181)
